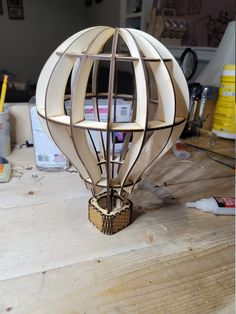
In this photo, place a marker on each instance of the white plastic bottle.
(216, 205)
(48, 157)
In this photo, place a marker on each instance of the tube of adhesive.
(216, 205)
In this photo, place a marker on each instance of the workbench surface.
(171, 259)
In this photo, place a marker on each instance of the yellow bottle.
(225, 113)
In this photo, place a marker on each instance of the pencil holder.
(5, 143)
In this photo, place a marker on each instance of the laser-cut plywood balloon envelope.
(98, 57)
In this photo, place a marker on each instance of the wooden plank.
(36, 187)
(171, 258)
(171, 171)
(55, 234)
(208, 141)
(157, 277)
(197, 281)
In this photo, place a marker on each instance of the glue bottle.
(216, 205)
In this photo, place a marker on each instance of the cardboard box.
(123, 113)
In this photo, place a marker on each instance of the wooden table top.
(171, 259)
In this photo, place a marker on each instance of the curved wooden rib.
(172, 137)
(79, 92)
(161, 141)
(77, 110)
(179, 81)
(166, 97)
(55, 100)
(49, 67)
(46, 91)
(166, 100)
(165, 109)
(66, 146)
(141, 108)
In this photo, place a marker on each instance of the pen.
(3, 92)
(193, 110)
(203, 103)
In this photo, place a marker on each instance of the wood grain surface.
(171, 259)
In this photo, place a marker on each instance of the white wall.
(105, 13)
(25, 45)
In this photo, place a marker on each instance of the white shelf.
(203, 53)
(131, 19)
(134, 15)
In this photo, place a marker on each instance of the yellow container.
(225, 113)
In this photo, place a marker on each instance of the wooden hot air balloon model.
(158, 103)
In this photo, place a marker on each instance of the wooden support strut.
(94, 190)
(95, 105)
(146, 122)
(109, 120)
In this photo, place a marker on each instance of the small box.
(110, 223)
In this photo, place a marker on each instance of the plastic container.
(5, 172)
(5, 142)
(180, 150)
(216, 205)
(48, 157)
(225, 113)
